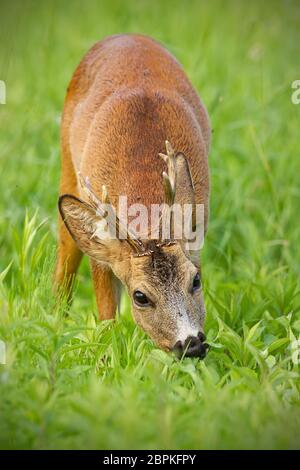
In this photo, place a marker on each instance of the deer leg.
(68, 254)
(107, 290)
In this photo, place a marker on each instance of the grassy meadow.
(72, 382)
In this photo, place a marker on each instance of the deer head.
(162, 275)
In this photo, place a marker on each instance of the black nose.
(193, 346)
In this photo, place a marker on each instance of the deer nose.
(193, 346)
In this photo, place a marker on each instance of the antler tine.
(170, 152)
(112, 216)
(169, 149)
(105, 198)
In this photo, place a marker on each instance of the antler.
(178, 185)
(110, 215)
(169, 179)
(169, 184)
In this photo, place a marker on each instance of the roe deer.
(127, 97)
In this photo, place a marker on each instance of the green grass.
(72, 382)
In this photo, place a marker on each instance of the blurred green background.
(71, 382)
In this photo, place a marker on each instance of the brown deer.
(126, 98)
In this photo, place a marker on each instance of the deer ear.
(185, 192)
(89, 230)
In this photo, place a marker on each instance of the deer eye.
(141, 299)
(196, 282)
